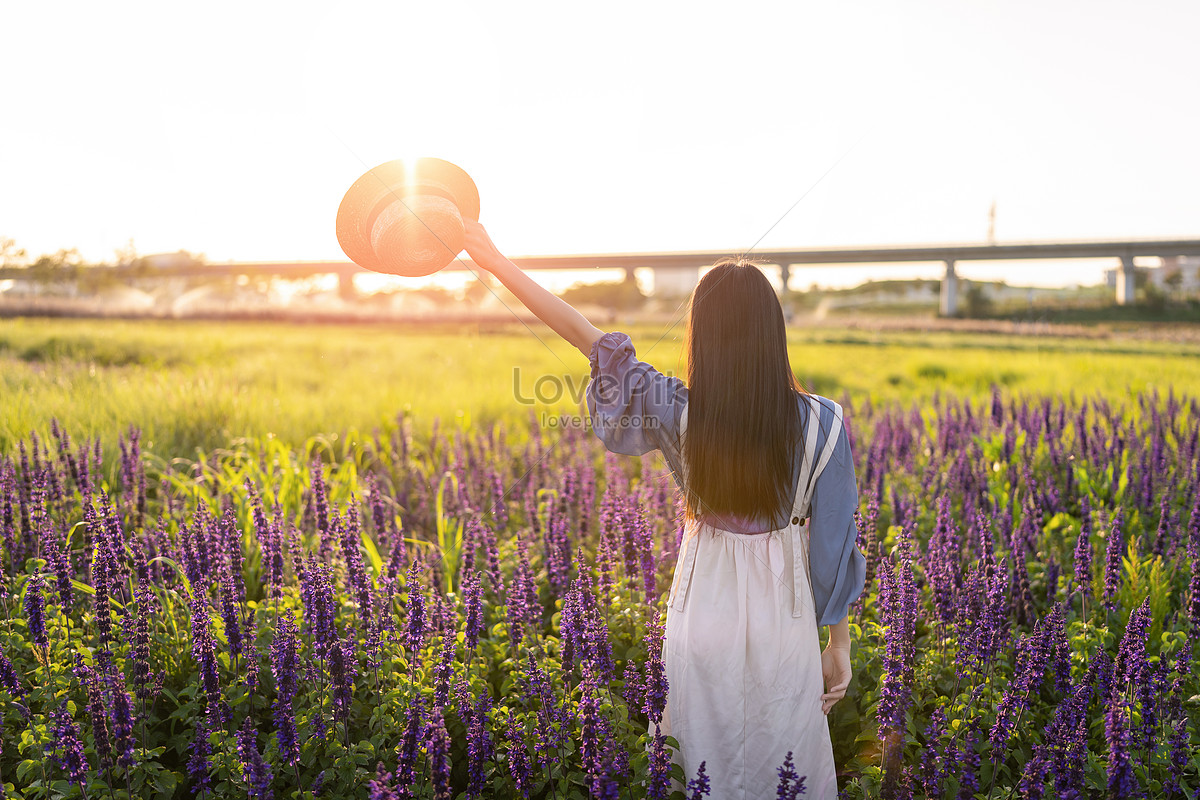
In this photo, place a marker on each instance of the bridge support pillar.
(346, 289)
(785, 295)
(675, 282)
(1126, 283)
(948, 302)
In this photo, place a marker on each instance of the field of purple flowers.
(479, 613)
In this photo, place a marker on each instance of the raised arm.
(549, 308)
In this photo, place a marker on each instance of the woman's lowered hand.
(835, 665)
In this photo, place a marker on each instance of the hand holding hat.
(407, 218)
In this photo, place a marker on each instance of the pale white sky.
(234, 128)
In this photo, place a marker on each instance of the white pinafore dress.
(742, 652)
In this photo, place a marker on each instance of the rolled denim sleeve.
(634, 408)
(837, 568)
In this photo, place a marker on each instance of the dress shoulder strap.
(811, 471)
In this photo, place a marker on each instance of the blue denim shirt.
(635, 408)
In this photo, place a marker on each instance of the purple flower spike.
(659, 783)
(656, 673)
(255, 771)
(414, 637)
(698, 786)
(1113, 553)
(8, 678)
(198, 762)
(35, 611)
(68, 749)
(790, 785)
(380, 787)
(284, 662)
(205, 652)
(437, 747)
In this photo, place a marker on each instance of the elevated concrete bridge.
(686, 265)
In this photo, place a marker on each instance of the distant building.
(168, 260)
(1176, 275)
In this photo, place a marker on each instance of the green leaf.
(25, 767)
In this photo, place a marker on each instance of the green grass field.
(191, 385)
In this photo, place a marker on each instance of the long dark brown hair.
(743, 415)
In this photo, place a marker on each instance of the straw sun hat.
(406, 218)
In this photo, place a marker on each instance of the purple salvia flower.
(897, 603)
(519, 766)
(480, 748)
(381, 516)
(191, 562)
(380, 787)
(68, 749)
(437, 748)
(64, 572)
(658, 784)
(316, 593)
(1027, 675)
(1100, 673)
(498, 508)
(8, 678)
(414, 636)
(631, 685)
(1059, 648)
(534, 683)
(492, 554)
(321, 506)
(35, 611)
(699, 786)
(557, 550)
(1083, 551)
(1122, 777)
(656, 673)
(1021, 596)
(594, 732)
(1113, 552)
(270, 544)
(521, 598)
(122, 719)
(1066, 739)
(342, 673)
(232, 535)
(968, 759)
(933, 768)
(255, 771)
(644, 543)
(350, 537)
(1179, 742)
(1131, 660)
(230, 612)
(204, 650)
(444, 671)
(1193, 550)
(790, 785)
(1032, 784)
(409, 749)
(472, 591)
(606, 786)
(284, 663)
(96, 710)
(468, 546)
(942, 563)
